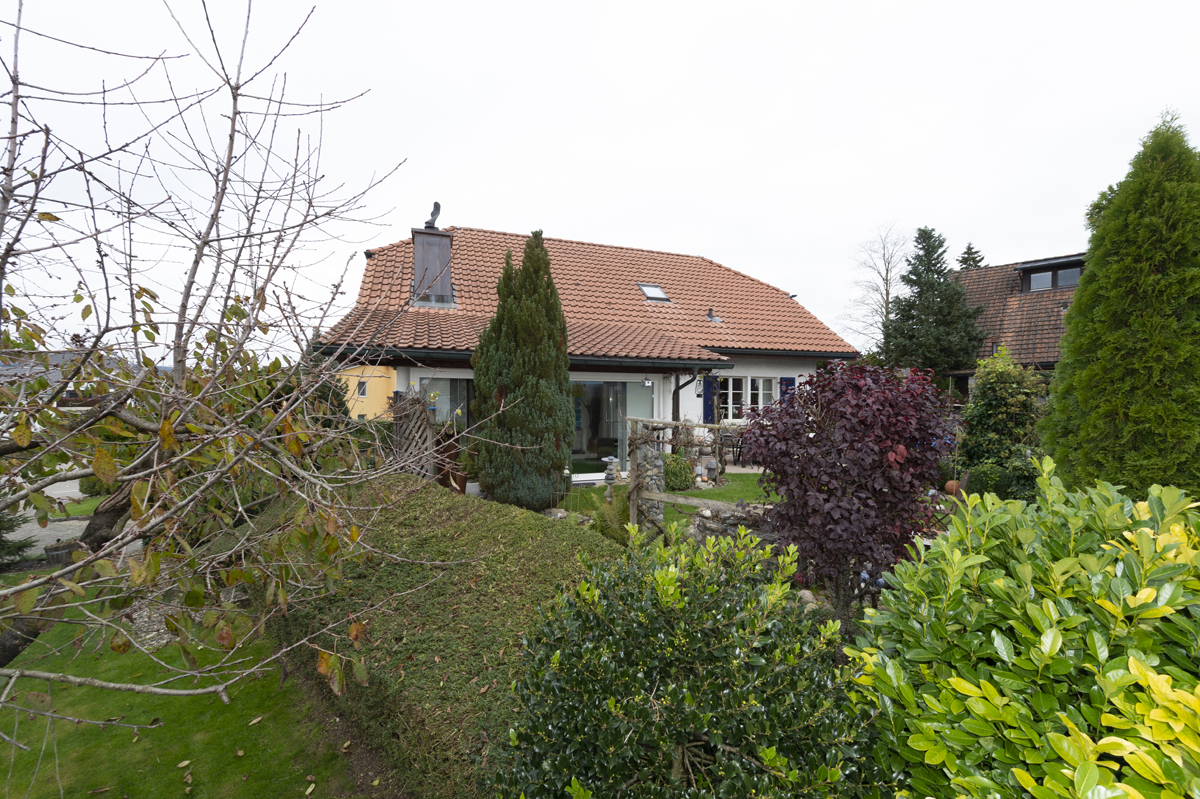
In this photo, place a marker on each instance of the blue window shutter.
(710, 399)
(786, 386)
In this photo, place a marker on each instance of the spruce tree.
(932, 327)
(971, 258)
(523, 386)
(1125, 400)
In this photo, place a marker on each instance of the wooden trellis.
(414, 433)
(636, 492)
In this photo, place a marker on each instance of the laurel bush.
(1048, 649)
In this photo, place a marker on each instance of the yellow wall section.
(381, 382)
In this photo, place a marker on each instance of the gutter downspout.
(678, 387)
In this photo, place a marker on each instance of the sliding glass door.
(601, 429)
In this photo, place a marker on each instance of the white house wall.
(690, 405)
(772, 366)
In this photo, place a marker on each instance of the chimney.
(431, 260)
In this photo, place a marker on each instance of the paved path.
(65, 490)
(54, 531)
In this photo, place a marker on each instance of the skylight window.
(654, 292)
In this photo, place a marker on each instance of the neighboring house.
(18, 369)
(1023, 309)
(641, 326)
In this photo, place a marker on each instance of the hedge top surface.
(441, 657)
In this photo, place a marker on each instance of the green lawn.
(85, 507)
(738, 487)
(227, 755)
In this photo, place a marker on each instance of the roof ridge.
(609, 247)
(565, 241)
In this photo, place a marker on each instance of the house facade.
(1023, 309)
(650, 334)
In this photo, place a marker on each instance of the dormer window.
(654, 293)
(1054, 279)
(1051, 273)
(1068, 277)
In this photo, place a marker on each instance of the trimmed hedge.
(441, 658)
(1046, 650)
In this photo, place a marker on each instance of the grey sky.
(770, 137)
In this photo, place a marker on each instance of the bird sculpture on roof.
(432, 223)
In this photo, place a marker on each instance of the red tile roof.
(607, 314)
(1029, 325)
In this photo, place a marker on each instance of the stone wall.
(725, 523)
(651, 478)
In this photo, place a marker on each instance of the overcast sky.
(773, 138)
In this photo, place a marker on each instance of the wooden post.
(633, 472)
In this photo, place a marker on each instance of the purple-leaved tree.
(852, 453)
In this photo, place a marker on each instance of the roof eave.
(371, 353)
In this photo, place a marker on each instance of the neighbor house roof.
(1029, 325)
(608, 316)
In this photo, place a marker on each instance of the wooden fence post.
(634, 472)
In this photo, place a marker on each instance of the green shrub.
(468, 463)
(1046, 649)
(983, 479)
(678, 473)
(687, 671)
(1018, 478)
(1006, 402)
(95, 487)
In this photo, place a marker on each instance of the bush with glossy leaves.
(688, 671)
(1046, 650)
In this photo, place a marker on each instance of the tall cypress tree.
(932, 327)
(523, 386)
(971, 258)
(1125, 400)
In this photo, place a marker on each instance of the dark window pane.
(1068, 277)
(1040, 280)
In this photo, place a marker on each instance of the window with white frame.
(762, 391)
(732, 397)
(362, 388)
(739, 392)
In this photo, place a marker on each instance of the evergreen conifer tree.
(523, 386)
(932, 327)
(971, 258)
(1125, 400)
